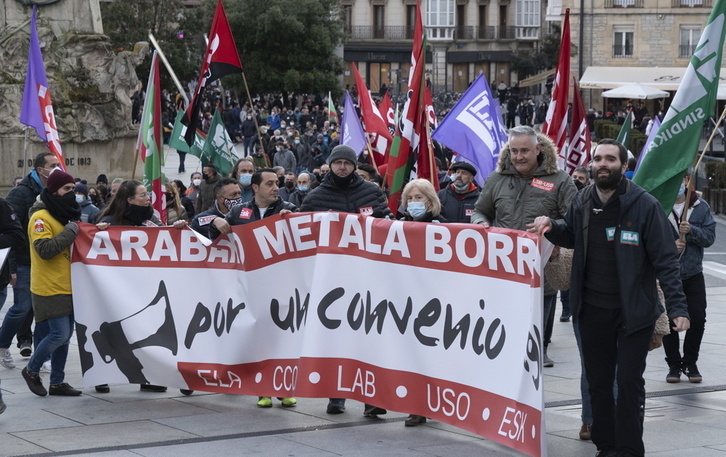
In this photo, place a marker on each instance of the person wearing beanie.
(89, 211)
(51, 231)
(344, 190)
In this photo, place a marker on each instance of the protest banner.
(441, 320)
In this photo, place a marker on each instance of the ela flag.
(555, 125)
(646, 147)
(220, 59)
(579, 146)
(219, 148)
(624, 134)
(373, 123)
(351, 131)
(178, 133)
(412, 153)
(675, 146)
(150, 140)
(332, 112)
(37, 109)
(470, 129)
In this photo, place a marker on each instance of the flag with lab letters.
(351, 130)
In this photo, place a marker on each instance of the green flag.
(219, 148)
(674, 147)
(624, 135)
(177, 141)
(149, 141)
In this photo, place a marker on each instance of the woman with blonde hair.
(420, 202)
(175, 211)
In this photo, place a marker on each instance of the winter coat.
(458, 207)
(360, 196)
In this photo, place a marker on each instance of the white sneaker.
(6, 359)
(46, 367)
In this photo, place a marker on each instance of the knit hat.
(342, 151)
(82, 189)
(463, 166)
(57, 179)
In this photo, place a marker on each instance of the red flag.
(220, 59)
(411, 154)
(429, 100)
(373, 123)
(555, 125)
(386, 110)
(579, 146)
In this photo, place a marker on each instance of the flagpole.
(25, 148)
(169, 69)
(257, 125)
(430, 147)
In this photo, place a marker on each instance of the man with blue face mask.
(301, 191)
(459, 198)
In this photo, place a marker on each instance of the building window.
(348, 18)
(623, 41)
(528, 13)
(410, 20)
(379, 17)
(440, 18)
(690, 34)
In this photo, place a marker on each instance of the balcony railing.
(691, 3)
(623, 51)
(399, 33)
(686, 50)
(625, 3)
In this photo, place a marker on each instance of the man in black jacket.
(622, 243)
(19, 317)
(226, 196)
(346, 191)
(459, 198)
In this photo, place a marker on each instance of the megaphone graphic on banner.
(116, 341)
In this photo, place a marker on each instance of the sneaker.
(45, 368)
(373, 411)
(288, 402)
(152, 388)
(186, 392)
(586, 432)
(3, 406)
(692, 372)
(34, 383)
(547, 362)
(26, 350)
(414, 420)
(6, 359)
(607, 453)
(674, 374)
(103, 388)
(64, 390)
(336, 406)
(264, 402)
(565, 318)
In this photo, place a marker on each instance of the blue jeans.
(55, 345)
(22, 304)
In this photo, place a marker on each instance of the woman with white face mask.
(420, 202)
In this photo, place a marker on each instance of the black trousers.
(695, 290)
(617, 425)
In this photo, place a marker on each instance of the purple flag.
(473, 129)
(351, 130)
(37, 109)
(651, 136)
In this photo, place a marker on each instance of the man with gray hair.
(526, 183)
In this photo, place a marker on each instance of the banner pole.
(25, 148)
(169, 69)
(254, 117)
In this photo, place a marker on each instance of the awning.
(663, 78)
(537, 79)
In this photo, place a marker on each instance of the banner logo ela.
(631, 238)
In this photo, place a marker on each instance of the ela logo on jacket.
(631, 238)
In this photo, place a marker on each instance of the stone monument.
(90, 85)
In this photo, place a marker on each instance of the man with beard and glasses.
(459, 197)
(622, 242)
(52, 228)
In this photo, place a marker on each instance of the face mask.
(197, 182)
(282, 126)
(681, 190)
(302, 188)
(79, 199)
(289, 184)
(297, 141)
(461, 188)
(245, 179)
(278, 149)
(416, 209)
(230, 203)
(249, 118)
